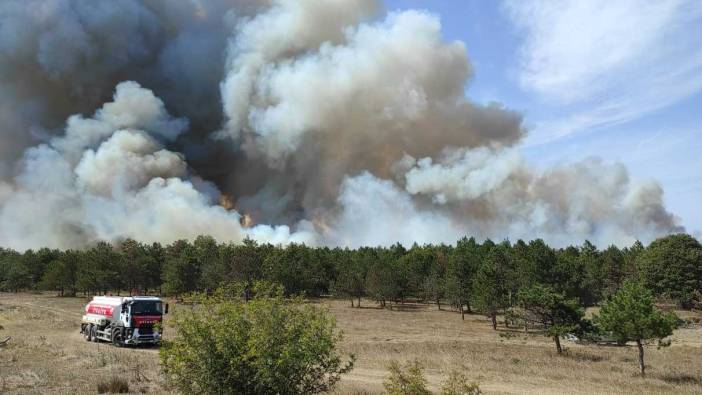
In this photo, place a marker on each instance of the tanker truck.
(123, 320)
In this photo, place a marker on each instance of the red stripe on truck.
(100, 309)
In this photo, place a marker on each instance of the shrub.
(457, 384)
(114, 385)
(268, 345)
(409, 380)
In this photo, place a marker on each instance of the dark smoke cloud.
(328, 119)
(63, 57)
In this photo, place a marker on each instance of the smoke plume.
(324, 122)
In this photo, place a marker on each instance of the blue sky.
(617, 80)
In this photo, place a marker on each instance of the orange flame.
(247, 221)
(226, 201)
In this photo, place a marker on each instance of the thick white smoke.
(491, 192)
(318, 112)
(108, 178)
(332, 121)
(5, 191)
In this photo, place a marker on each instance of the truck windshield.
(147, 308)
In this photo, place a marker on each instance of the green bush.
(407, 380)
(457, 384)
(268, 345)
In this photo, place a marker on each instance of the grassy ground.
(48, 355)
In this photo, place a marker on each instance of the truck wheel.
(84, 332)
(117, 338)
(89, 332)
(93, 333)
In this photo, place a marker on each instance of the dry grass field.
(47, 355)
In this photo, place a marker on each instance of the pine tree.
(631, 316)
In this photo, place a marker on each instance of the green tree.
(416, 266)
(542, 261)
(351, 276)
(433, 284)
(594, 277)
(631, 316)
(524, 272)
(71, 264)
(99, 269)
(672, 267)
(296, 267)
(533, 263)
(266, 346)
(181, 272)
(463, 262)
(133, 271)
(212, 268)
(570, 275)
(612, 270)
(631, 271)
(60, 275)
(383, 280)
(324, 270)
(552, 311)
(37, 263)
(16, 276)
(489, 287)
(245, 262)
(154, 264)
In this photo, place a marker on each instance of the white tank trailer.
(125, 320)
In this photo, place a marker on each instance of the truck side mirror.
(165, 311)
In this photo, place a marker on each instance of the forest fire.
(226, 201)
(272, 114)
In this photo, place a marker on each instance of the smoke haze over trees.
(326, 122)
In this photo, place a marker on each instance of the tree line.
(529, 284)
(486, 277)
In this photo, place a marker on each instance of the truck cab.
(138, 317)
(124, 320)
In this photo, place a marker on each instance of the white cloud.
(603, 62)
